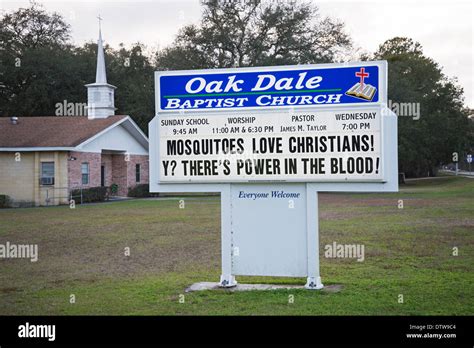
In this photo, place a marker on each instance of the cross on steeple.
(100, 19)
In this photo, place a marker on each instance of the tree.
(132, 70)
(443, 126)
(33, 27)
(34, 51)
(255, 33)
(40, 68)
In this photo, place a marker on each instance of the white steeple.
(100, 95)
(100, 75)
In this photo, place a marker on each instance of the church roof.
(52, 131)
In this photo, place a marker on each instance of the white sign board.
(268, 140)
(253, 250)
(329, 146)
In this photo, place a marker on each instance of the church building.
(42, 159)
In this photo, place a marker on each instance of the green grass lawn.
(408, 251)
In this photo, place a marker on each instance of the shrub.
(4, 201)
(140, 191)
(113, 189)
(93, 194)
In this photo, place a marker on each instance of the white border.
(388, 165)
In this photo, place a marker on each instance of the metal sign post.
(269, 140)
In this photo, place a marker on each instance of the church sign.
(269, 87)
(268, 140)
(267, 146)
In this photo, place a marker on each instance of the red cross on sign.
(362, 74)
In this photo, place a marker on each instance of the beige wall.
(16, 177)
(20, 179)
(57, 194)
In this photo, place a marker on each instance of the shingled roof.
(52, 131)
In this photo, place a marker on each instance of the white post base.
(313, 283)
(227, 281)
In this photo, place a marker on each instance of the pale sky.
(444, 28)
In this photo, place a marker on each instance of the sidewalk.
(463, 173)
